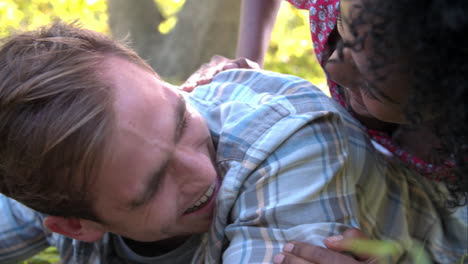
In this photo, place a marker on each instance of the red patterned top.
(322, 17)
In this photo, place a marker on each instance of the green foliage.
(291, 50)
(464, 259)
(48, 256)
(388, 248)
(169, 9)
(376, 248)
(29, 14)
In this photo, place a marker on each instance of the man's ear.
(80, 229)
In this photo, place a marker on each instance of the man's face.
(159, 179)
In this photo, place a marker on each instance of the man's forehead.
(151, 173)
(134, 87)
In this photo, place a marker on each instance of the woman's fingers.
(241, 63)
(217, 64)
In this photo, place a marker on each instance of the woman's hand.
(302, 253)
(217, 64)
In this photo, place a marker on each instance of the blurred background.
(174, 36)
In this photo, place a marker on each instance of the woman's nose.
(342, 70)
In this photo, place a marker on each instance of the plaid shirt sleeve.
(297, 167)
(21, 232)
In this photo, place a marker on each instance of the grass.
(48, 256)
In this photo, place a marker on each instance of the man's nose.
(185, 164)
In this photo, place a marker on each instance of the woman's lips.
(354, 100)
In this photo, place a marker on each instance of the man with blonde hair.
(118, 166)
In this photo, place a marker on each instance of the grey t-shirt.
(182, 254)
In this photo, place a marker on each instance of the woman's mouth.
(355, 101)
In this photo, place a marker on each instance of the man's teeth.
(203, 199)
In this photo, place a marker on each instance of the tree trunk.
(137, 21)
(204, 28)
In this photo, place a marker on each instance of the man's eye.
(185, 122)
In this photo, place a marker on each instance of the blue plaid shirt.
(295, 167)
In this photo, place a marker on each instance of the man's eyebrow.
(181, 108)
(154, 178)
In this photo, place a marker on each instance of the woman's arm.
(256, 24)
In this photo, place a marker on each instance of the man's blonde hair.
(56, 116)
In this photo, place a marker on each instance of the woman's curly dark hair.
(431, 38)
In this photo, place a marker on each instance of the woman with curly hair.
(400, 67)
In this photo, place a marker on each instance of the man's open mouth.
(205, 199)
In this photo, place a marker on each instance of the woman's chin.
(371, 122)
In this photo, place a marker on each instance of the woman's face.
(382, 99)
